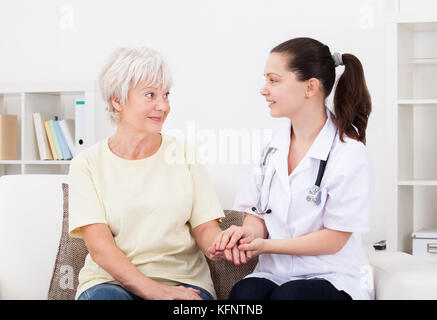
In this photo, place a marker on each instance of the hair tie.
(338, 60)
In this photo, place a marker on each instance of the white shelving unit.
(413, 104)
(52, 100)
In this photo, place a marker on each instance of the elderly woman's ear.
(116, 103)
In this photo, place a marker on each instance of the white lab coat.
(346, 190)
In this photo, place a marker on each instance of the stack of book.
(55, 137)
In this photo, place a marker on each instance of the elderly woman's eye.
(167, 94)
(149, 94)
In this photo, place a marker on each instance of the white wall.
(217, 51)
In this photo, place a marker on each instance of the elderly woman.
(145, 219)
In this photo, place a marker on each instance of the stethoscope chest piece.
(314, 195)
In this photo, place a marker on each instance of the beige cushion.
(72, 252)
(69, 260)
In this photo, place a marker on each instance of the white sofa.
(30, 229)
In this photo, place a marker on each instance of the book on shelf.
(41, 137)
(8, 137)
(55, 140)
(67, 128)
(50, 138)
(66, 154)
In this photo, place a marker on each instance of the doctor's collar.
(324, 140)
(321, 145)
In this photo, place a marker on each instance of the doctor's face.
(284, 93)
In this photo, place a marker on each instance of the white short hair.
(125, 68)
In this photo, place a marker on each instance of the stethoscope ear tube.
(267, 154)
(264, 166)
(322, 167)
(314, 192)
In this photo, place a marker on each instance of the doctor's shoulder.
(351, 154)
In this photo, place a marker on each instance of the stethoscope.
(312, 196)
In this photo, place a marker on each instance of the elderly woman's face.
(146, 108)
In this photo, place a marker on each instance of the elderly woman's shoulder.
(86, 155)
(176, 140)
(179, 149)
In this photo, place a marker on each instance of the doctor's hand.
(234, 255)
(254, 248)
(232, 236)
(227, 244)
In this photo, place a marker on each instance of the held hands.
(236, 244)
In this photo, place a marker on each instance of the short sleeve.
(85, 206)
(349, 191)
(248, 192)
(206, 206)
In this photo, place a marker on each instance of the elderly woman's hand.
(232, 254)
(165, 292)
(226, 244)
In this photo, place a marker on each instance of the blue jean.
(109, 291)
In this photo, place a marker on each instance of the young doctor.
(312, 187)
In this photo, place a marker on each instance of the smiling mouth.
(156, 119)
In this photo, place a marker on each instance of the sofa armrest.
(401, 276)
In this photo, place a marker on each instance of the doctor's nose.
(264, 91)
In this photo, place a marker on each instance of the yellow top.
(150, 205)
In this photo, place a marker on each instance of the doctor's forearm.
(326, 241)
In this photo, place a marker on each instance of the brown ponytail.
(352, 102)
(309, 58)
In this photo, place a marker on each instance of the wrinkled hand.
(233, 254)
(166, 292)
(217, 255)
(226, 245)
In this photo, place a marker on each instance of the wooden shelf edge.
(37, 162)
(417, 183)
(11, 161)
(417, 101)
(47, 162)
